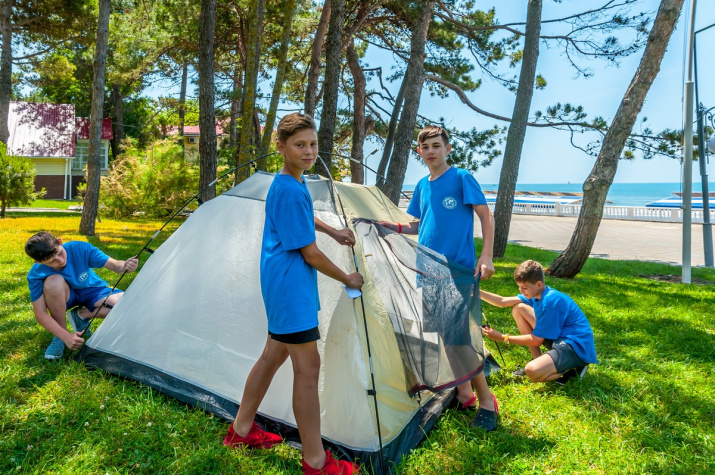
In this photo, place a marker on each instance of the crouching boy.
(62, 278)
(549, 317)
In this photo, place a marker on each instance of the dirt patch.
(675, 279)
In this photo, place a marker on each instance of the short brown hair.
(42, 246)
(292, 123)
(432, 131)
(530, 272)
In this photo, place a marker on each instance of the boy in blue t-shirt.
(290, 260)
(546, 316)
(444, 203)
(62, 278)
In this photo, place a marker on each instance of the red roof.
(41, 130)
(47, 130)
(82, 125)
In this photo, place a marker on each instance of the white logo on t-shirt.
(449, 202)
(83, 276)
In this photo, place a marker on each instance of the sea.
(620, 194)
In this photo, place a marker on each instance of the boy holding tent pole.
(289, 284)
(62, 278)
(546, 316)
(444, 203)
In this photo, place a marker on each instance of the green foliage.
(17, 175)
(153, 182)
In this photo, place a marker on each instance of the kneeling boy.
(545, 316)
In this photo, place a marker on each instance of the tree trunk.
(330, 86)
(596, 187)
(91, 199)
(311, 90)
(390, 141)
(118, 124)
(207, 119)
(359, 131)
(415, 78)
(182, 100)
(6, 70)
(250, 84)
(235, 101)
(289, 9)
(517, 129)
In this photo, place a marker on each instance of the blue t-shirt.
(559, 318)
(444, 208)
(288, 284)
(78, 273)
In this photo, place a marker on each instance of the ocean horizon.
(620, 194)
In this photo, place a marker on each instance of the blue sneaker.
(55, 350)
(78, 323)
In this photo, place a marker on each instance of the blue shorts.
(87, 297)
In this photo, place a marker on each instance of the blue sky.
(548, 156)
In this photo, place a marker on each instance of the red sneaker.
(332, 467)
(256, 438)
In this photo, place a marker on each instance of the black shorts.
(306, 336)
(564, 356)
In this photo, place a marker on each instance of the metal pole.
(688, 152)
(702, 158)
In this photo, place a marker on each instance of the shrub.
(153, 182)
(17, 181)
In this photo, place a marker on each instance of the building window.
(81, 149)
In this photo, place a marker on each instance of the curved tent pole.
(372, 392)
(187, 203)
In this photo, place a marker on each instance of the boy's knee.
(532, 372)
(518, 309)
(54, 284)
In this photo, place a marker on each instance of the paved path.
(616, 239)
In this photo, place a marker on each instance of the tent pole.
(372, 392)
(187, 203)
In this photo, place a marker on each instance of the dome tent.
(192, 323)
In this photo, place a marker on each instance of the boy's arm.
(130, 265)
(342, 236)
(526, 340)
(498, 300)
(315, 258)
(402, 228)
(72, 340)
(485, 264)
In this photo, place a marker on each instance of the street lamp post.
(702, 157)
(688, 151)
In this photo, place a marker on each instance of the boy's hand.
(389, 225)
(344, 236)
(485, 267)
(131, 264)
(355, 281)
(491, 334)
(74, 341)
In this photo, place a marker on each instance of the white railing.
(631, 213)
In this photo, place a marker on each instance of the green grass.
(59, 204)
(648, 407)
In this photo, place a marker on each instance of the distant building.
(57, 142)
(191, 139)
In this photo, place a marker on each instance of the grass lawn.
(648, 407)
(59, 204)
